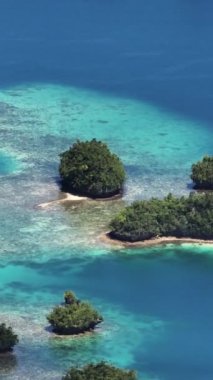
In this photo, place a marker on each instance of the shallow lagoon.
(8, 164)
(146, 90)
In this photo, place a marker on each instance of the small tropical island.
(8, 339)
(73, 317)
(89, 169)
(202, 173)
(99, 371)
(157, 219)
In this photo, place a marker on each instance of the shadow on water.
(159, 52)
(8, 362)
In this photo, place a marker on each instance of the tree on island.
(8, 339)
(202, 173)
(190, 217)
(100, 371)
(70, 297)
(74, 316)
(88, 168)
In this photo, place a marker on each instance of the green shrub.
(100, 371)
(74, 318)
(89, 168)
(202, 173)
(69, 297)
(180, 217)
(7, 338)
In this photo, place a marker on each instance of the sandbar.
(67, 198)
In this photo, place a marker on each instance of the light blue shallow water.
(8, 164)
(158, 317)
(137, 75)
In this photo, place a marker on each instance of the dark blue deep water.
(157, 51)
(139, 75)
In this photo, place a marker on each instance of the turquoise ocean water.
(139, 77)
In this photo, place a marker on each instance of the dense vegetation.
(180, 217)
(89, 168)
(7, 338)
(202, 173)
(74, 316)
(100, 371)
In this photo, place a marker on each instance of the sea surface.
(139, 76)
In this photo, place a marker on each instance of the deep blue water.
(157, 51)
(139, 75)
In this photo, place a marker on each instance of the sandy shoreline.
(67, 198)
(152, 242)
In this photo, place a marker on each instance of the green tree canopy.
(180, 217)
(89, 168)
(69, 297)
(202, 173)
(100, 371)
(8, 339)
(73, 317)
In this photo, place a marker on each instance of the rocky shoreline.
(105, 237)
